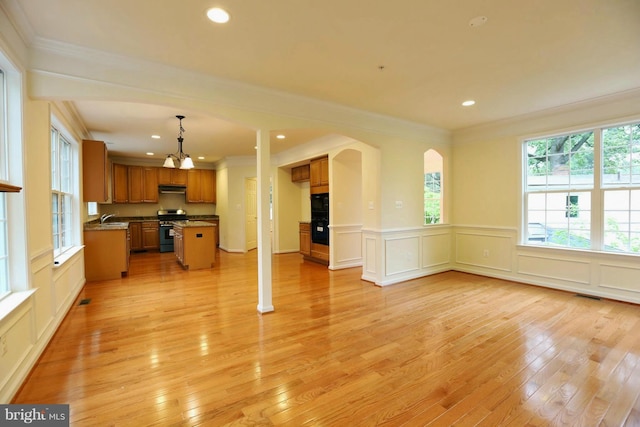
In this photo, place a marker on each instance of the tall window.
(62, 192)
(621, 182)
(432, 187)
(582, 190)
(4, 241)
(4, 250)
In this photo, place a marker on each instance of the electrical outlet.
(485, 253)
(3, 346)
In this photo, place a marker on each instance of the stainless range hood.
(172, 189)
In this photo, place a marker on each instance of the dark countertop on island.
(192, 223)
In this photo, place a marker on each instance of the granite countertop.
(122, 222)
(107, 226)
(191, 223)
(202, 217)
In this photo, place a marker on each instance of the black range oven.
(165, 220)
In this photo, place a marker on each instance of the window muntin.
(4, 240)
(621, 155)
(433, 193)
(562, 187)
(4, 250)
(622, 220)
(3, 130)
(559, 218)
(62, 192)
(564, 161)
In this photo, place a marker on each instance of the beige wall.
(288, 202)
(486, 185)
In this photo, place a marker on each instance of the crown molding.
(620, 106)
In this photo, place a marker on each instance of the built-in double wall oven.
(320, 218)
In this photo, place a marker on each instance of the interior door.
(251, 212)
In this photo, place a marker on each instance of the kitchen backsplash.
(165, 201)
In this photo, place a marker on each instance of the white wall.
(52, 289)
(487, 206)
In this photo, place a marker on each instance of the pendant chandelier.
(184, 161)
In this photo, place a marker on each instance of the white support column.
(265, 303)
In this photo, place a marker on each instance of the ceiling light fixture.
(468, 103)
(217, 15)
(478, 21)
(184, 161)
(155, 136)
(280, 136)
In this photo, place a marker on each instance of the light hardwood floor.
(167, 347)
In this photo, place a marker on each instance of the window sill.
(564, 249)
(7, 188)
(12, 301)
(66, 256)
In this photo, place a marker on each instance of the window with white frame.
(4, 240)
(433, 201)
(582, 189)
(4, 250)
(62, 192)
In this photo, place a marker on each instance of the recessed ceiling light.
(150, 153)
(217, 15)
(477, 21)
(280, 136)
(468, 103)
(155, 136)
(200, 157)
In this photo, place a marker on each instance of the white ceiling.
(411, 59)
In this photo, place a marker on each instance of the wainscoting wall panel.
(551, 267)
(401, 255)
(620, 277)
(371, 256)
(405, 254)
(494, 252)
(346, 246)
(436, 249)
(489, 249)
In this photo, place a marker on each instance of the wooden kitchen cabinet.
(169, 176)
(142, 184)
(95, 171)
(144, 235)
(319, 175)
(106, 254)
(150, 189)
(208, 185)
(178, 244)
(201, 186)
(194, 184)
(150, 235)
(305, 238)
(135, 229)
(120, 183)
(135, 184)
(194, 245)
(300, 173)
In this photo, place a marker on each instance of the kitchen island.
(106, 250)
(194, 244)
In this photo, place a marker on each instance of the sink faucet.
(105, 217)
